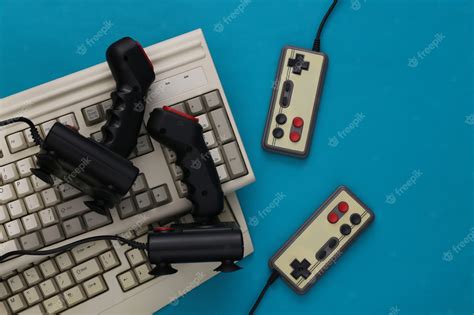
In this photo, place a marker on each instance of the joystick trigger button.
(333, 218)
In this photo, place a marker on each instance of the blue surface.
(413, 122)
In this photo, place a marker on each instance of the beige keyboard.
(34, 215)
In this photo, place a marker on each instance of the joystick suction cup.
(227, 266)
(163, 269)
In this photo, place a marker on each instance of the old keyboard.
(34, 215)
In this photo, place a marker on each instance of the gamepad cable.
(271, 279)
(317, 40)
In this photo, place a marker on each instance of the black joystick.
(101, 170)
(190, 243)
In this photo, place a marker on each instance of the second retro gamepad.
(295, 101)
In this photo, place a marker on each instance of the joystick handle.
(133, 73)
(183, 134)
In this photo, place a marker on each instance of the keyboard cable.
(34, 132)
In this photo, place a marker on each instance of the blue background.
(415, 119)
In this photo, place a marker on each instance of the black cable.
(317, 41)
(274, 275)
(69, 246)
(34, 132)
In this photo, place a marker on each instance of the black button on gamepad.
(355, 218)
(345, 229)
(298, 64)
(278, 133)
(281, 119)
(300, 269)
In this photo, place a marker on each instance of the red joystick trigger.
(159, 229)
(177, 112)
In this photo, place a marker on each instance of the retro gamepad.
(321, 240)
(295, 101)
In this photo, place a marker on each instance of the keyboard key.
(92, 115)
(72, 208)
(48, 288)
(64, 261)
(143, 273)
(95, 220)
(213, 100)
(126, 208)
(106, 105)
(84, 252)
(140, 184)
(14, 228)
(223, 173)
(4, 290)
(209, 139)
(127, 280)
(17, 303)
(46, 127)
(29, 138)
(4, 309)
(52, 234)
(216, 156)
(9, 173)
(32, 276)
(180, 107)
(3, 234)
(50, 197)
(33, 203)
(48, 268)
(195, 105)
(222, 126)
(35, 310)
(170, 155)
(143, 201)
(9, 246)
(97, 136)
(7, 194)
(68, 191)
(23, 187)
(109, 260)
(64, 280)
(48, 216)
(16, 208)
(69, 120)
(234, 160)
(204, 122)
(73, 227)
(38, 184)
(182, 189)
(31, 222)
(16, 283)
(54, 305)
(135, 257)
(16, 142)
(176, 171)
(4, 215)
(86, 270)
(31, 241)
(144, 145)
(95, 286)
(74, 296)
(24, 167)
(161, 195)
(32, 295)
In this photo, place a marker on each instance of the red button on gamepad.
(295, 137)
(298, 122)
(333, 218)
(343, 206)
